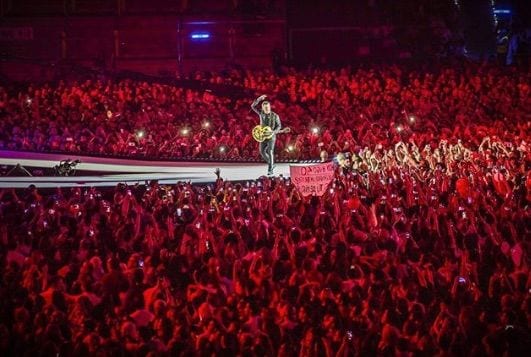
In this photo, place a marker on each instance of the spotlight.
(315, 130)
(222, 149)
(399, 128)
(412, 119)
(29, 101)
(140, 134)
(200, 36)
(206, 125)
(290, 148)
(185, 131)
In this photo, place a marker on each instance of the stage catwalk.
(113, 170)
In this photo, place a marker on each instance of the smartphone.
(141, 263)
(198, 225)
(349, 335)
(179, 212)
(461, 280)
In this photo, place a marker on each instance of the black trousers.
(267, 151)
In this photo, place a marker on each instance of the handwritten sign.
(312, 179)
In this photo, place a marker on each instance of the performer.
(271, 119)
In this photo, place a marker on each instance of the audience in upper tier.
(332, 111)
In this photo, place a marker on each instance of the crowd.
(328, 110)
(418, 247)
(409, 252)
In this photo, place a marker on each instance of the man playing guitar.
(269, 119)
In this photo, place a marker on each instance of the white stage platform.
(129, 171)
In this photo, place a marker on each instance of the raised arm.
(254, 105)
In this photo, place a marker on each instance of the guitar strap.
(268, 120)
